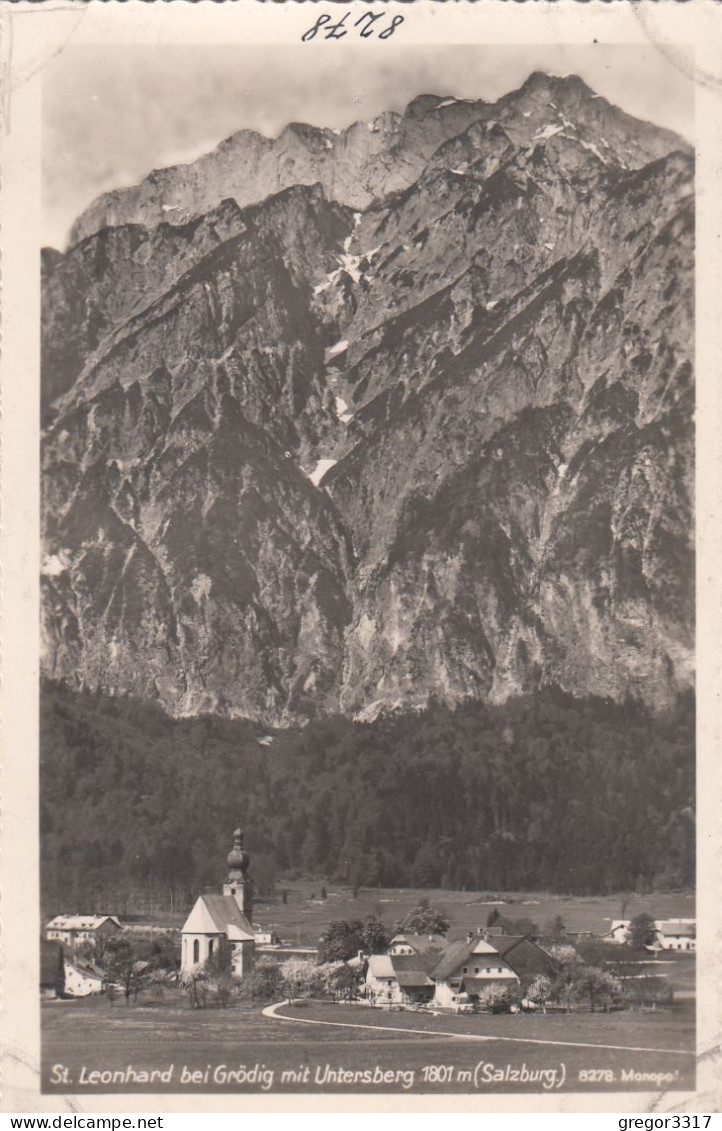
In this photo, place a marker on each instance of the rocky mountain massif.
(350, 421)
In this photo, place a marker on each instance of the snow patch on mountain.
(320, 470)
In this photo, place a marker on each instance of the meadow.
(305, 916)
(201, 1050)
(241, 1050)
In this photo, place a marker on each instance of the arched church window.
(196, 950)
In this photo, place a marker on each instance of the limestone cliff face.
(417, 423)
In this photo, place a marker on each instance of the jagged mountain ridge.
(496, 355)
(366, 161)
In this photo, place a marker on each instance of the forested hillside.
(543, 792)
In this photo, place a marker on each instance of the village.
(422, 964)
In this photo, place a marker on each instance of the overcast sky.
(113, 114)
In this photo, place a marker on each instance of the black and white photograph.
(366, 706)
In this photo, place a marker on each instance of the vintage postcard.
(359, 362)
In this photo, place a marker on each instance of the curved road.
(272, 1011)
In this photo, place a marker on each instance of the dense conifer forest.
(543, 792)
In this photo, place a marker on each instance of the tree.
(562, 957)
(343, 939)
(196, 986)
(597, 986)
(344, 982)
(501, 999)
(376, 936)
(220, 978)
(123, 967)
(642, 931)
(301, 976)
(540, 990)
(165, 954)
(266, 983)
(555, 928)
(424, 920)
(564, 986)
(522, 926)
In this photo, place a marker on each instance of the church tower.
(237, 882)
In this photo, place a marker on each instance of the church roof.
(218, 915)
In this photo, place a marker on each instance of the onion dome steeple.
(238, 859)
(237, 882)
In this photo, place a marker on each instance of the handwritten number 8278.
(338, 31)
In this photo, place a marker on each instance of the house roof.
(80, 922)
(524, 955)
(412, 978)
(87, 968)
(483, 946)
(218, 915)
(422, 944)
(413, 969)
(381, 966)
(456, 954)
(406, 969)
(676, 927)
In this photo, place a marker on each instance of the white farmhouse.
(677, 934)
(671, 934)
(82, 978)
(466, 970)
(76, 930)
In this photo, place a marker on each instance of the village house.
(402, 975)
(77, 930)
(426, 969)
(399, 979)
(408, 943)
(224, 920)
(677, 934)
(81, 977)
(524, 956)
(466, 970)
(618, 932)
(671, 934)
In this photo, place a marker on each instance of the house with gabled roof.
(677, 934)
(399, 979)
(82, 977)
(466, 969)
(219, 921)
(406, 943)
(525, 957)
(671, 934)
(77, 930)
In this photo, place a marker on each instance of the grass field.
(302, 919)
(196, 1050)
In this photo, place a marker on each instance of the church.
(224, 920)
